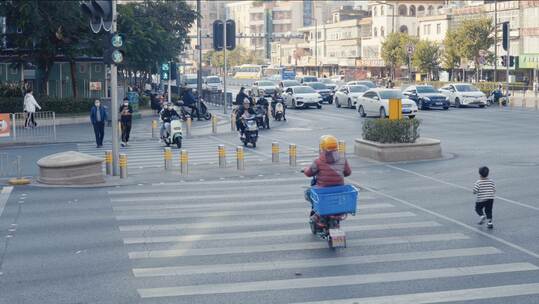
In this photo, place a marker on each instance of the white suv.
(464, 94)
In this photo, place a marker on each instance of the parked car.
(190, 81)
(348, 95)
(302, 97)
(369, 84)
(303, 79)
(283, 85)
(332, 85)
(375, 102)
(464, 94)
(263, 88)
(212, 84)
(426, 97)
(323, 90)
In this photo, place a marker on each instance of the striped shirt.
(485, 189)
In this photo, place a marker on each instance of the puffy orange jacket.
(329, 169)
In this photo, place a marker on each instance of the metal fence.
(217, 98)
(24, 129)
(10, 165)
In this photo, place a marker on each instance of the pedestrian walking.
(485, 190)
(98, 116)
(126, 114)
(30, 105)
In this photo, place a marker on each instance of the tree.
(475, 35)
(394, 49)
(450, 55)
(236, 57)
(426, 57)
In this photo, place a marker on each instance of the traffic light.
(513, 61)
(173, 71)
(218, 35)
(504, 60)
(230, 35)
(165, 71)
(100, 14)
(114, 48)
(505, 37)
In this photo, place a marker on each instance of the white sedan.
(375, 102)
(348, 95)
(464, 94)
(302, 97)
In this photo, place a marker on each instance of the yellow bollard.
(342, 148)
(232, 122)
(292, 154)
(395, 109)
(240, 165)
(120, 130)
(222, 156)
(188, 124)
(108, 162)
(184, 162)
(167, 155)
(214, 124)
(275, 152)
(123, 165)
(154, 127)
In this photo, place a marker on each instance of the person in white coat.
(30, 105)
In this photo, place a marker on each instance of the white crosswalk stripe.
(195, 241)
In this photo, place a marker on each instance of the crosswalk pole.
(342, 148)
(123, 165)
(232, 122)
(184, 162)
(108, 162)
(154, 127)
(188, 126)
(240, 165)
(168, 158)
(222, 156)
(274, 152)
(214, 124)
(292, 153)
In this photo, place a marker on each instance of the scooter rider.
(329, 169)
(244, 112)
(498, 93)
(274, 100)
(241, 97)
(167, 114)
(265, 105)
(189, 101)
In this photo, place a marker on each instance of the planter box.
(423, 148)
(71, 168)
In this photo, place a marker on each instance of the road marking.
(335, 280)
(474, 229)
(249, 181)
(302, 218)
(162, 198)
(294, 246)
(449, 296)
(4, 196)
(188, 188)
(271, 233)
(468, 189)
(314, 263)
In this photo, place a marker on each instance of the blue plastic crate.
(335, 200)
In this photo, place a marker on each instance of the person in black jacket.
(126, 114)
(167, 114)
(243, 112)
(241, 97)
(190, 101)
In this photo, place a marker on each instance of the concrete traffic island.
(423, 148)
(71, 168)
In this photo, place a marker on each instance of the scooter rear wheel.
(313, 227)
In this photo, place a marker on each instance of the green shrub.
(58, 105)
(391, 131)
(11, 90)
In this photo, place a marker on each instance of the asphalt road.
(223, 236)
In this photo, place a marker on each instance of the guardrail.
(39, 128)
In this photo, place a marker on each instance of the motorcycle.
(261, 118)
(277, 110)
(330, 206)
(173, 133)
(203, 111)
(503, 98)
(250, 133)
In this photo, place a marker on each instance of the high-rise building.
(210, 11)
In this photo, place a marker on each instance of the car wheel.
(422, 105)
(330, 100)
(362, 111)
(383, 113)
(411, 116)
(481, 106)
(349, 103)
(337, 104)
(446, 108)
(294, 105)
(457, 103)
(319, 106)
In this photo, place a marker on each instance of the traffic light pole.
(114, 103)
(169, 82)
(508, 60)
(225, 67)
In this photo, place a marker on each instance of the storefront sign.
(95, 86)
(5, 125)
(528, 61)
(374, 62)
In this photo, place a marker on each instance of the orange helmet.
(329, 143)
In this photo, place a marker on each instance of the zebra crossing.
(235, 240)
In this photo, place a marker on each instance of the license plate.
(338, 237)
(438, 103)
(406, 111)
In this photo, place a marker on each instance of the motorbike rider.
(276, 97)
(167, 114)
(265, 105)
(241, 97)
(244, 112)
(498, 93)
(329, 169)
(190, 101)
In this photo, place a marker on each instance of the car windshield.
(426, 89)
(290, 83)
(368, 84)
(213, 80)
(326, 81)
(389, 94)
(310, 79)
(466, 88)
(318, 86)
(191, 80)
(358, 88)
(266, 84)
(304, 90)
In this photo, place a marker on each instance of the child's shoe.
(490, 225)
(481, 220)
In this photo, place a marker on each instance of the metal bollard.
(108, 162)
(342, 148)
(154, 127)
(222, 156)
(167, 154)
(274, 152)
(292, 154)
(232, 122)
(19, 167)
(524, 101)
(120, 131)
(188, 124)
(184, 162)
(214, 124)
(240, 164)
(123, 165)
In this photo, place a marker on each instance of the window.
(412, 10)
(374, 11)
(430, 10)
(375, 32)
(382, 10)
(421, 10)
(403, 29)
(438, 28)
(382, 33)
(402, 10)
(424, 29)
(83, 67)
(97, 68)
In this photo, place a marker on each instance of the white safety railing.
(42, 128)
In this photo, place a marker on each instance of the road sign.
(5, 125)
(165, 68)
(409, 49)
(482, 60)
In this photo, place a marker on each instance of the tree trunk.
(73, 70)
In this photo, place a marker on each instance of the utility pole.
(495, 39)
(169, 82)
(225, 66)
(316, 47)
(114, 102)
(199, 72)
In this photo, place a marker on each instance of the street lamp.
(315, 42)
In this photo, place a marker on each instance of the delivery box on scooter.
(335, 200)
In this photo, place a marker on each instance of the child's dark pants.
(487, 206)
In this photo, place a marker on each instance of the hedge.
(391, 131)
(58, 105)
